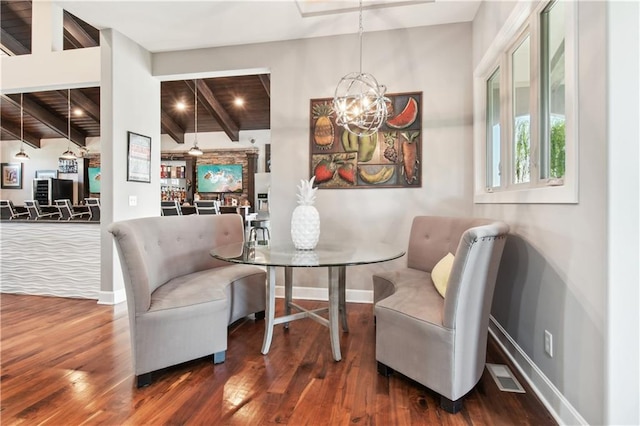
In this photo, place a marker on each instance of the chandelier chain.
(359, 102)
(360, 32)
(21, 155)
(68, 154)
(21, 119)
(195, 106)
(69, 115)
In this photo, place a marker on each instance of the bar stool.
(259, 226)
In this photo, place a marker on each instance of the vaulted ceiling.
(45, 114)
(160, 26)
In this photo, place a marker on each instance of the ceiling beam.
(55, 122)
(266, 83)
(11, 44)
(13, 129)
(78, 99)
(215, 108)
(75, 33)
(170, 127)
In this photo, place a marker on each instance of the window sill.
(565, 194)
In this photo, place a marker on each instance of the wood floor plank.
(68, 361)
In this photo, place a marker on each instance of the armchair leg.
(259, 315)
(143, 380)
(450, 406)
(218, 357)
(384, 370)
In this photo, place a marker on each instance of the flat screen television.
(219, 177)
(94, 180)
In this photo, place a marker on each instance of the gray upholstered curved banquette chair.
(180, 299)
(440, 342)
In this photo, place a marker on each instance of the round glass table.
(334, 256)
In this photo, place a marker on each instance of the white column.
(623, 307)
(129, 101)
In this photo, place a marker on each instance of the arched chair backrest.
(207, 207)
(94, 208)
(35, 211)
(170, 208)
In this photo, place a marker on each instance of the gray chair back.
(5, 210)
(94, 208)
(35, 211)
(170, 208)
(15, 214)
(66, 210)
(207, 207)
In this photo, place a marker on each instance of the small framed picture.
(138, 158)
(11, 175)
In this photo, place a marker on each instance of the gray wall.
(553, 274)
(434, 60)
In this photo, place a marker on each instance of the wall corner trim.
(559, 407)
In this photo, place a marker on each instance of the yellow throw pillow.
(440, 273)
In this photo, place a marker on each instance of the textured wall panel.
(51, 259)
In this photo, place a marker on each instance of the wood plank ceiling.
(45, 113)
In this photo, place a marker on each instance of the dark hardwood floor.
(67, 362)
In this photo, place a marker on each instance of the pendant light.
(21, 155)
(68, 154)
(359, 101)
(195, 151)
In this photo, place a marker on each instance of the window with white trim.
(525, 95)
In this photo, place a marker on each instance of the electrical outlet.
(548, 343)
(133, 200)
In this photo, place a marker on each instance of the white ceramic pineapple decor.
(305, 221)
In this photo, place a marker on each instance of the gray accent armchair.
(180, 299)
(440, 342)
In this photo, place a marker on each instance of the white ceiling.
(165, 25)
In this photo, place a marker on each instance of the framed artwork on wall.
(138, 158)
(390, 158)
(11, 175)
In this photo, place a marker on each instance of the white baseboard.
(560, 408)
(319, 293)
(111, 297)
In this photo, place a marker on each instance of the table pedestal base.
(337, 307)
